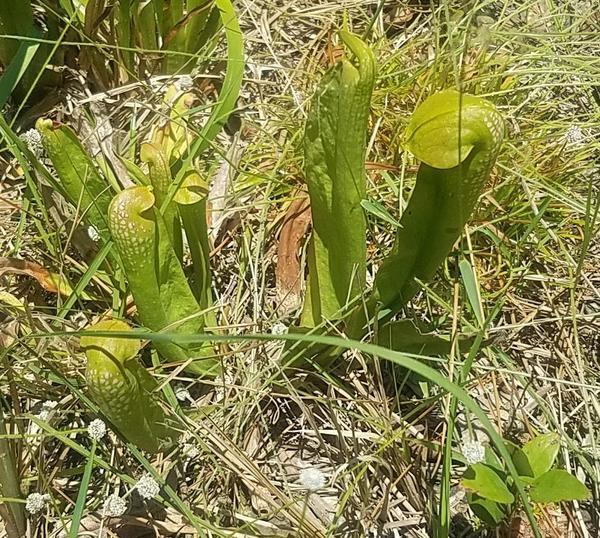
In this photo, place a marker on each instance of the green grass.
(525, 278)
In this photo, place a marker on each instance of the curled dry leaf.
(288, 272)
(52, 282)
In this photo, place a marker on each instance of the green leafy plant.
(11, 510)
(148, 38)
(158, 37)
(147, 224)
(123, 389)
(455, 136)
(492, 492)
(80, 179)
(334, 149)
(160, 289)
(177, 190)
(22, 58)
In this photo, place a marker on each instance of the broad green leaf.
(144, 26)
(490, 512)
(123, 34)
(122, 387)
(541, 452)
(484, 481)
(444, 130)
(117, 349)
(159, 286)
(520, 460)
(191, 200)
(159, 172)
(404, 335)
(557, 485)
(526, 480)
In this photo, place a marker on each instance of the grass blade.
(17, 68)
(472, 289)
(229, 93)
(82, 495)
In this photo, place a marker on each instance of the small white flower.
(184, 83)
(36, 502)
(93, 233)
(114, 506)
(190, 450)
(279, 328)
(312, 478)
(473, 451)
(46, 411)
(182, 394)
(147, 487)
(33, 139)
(97, 429)
(574, 135)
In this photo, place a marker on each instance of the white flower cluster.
(182, 394)
(33, 139)
(93, 233)
(190, 450)
(184, 83)
(473, 451)
(574, 135)
(97, 429)
(312, 478)
(46, 411)
(147, 487)
(279, 328)
(36, 502)
(114, 506)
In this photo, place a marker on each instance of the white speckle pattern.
(574, 135)
(182, 394)
(184, 83)
(190, 450)
(279, 328)
(132, 233)
(495, 124)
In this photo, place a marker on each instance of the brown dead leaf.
(52, 282)
(552, 524)
(288, 272)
